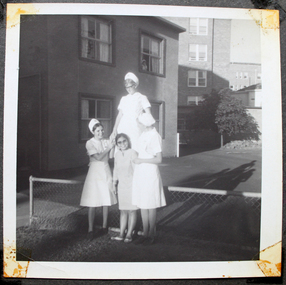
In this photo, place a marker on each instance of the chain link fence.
(54, 204)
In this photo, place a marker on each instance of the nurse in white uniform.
(130, 107)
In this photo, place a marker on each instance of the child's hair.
(96, 126)
(122, 135)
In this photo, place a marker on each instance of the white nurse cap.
(92, 123)
(133, 77)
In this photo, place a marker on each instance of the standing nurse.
(130, 107)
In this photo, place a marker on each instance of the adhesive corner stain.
(13, 268)
(266, 19)
(270, 260)
(14, 11)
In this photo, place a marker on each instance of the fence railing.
(186, 207)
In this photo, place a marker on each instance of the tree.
(203, 117)
(232, 118)
(224, 114)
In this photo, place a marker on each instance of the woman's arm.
(148, 110)
(117, 121)
(155, 160)
(101, 156)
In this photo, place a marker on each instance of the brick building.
(72, 69)
(210, 58)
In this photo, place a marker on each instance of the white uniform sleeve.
(155, 145)
(145, 102)
(121, 104)
(91, 148)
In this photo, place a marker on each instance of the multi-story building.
(210, 58)
(72, 69)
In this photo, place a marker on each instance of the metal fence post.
(31, 212)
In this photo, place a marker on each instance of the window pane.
(155, 110)
(91, 49)
(104, 52)
(202, 52)
(84, 109)
(203, 26)
(202, 82)
(155, 47)
(107, 127)
(145, 45)
(192, 81)
(91, 111)
(91, 29)
(103, 32)
(84, 27)
(192, 52)
(103, 109)
(155, 65)
(193, 26)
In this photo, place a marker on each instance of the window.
(236, 75)
(158, 112)
(95, 107)
(245, 75)
(198, 26)
(258, 75)
(197, 52)
(96, 39)
(197, 78)
(152, 54)
(194, 100)
(240, 75)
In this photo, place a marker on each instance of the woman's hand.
(137, 160)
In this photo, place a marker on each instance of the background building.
(215, 54)
(72, 69)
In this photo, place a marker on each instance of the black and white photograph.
(144, 139)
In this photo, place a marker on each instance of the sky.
(245, 42)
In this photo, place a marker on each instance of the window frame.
(197, 33)
(197, 78)
(198, 52)
(162, 49)
(112, 38)
(161, 121)
(92, 96)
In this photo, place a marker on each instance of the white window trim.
(198, 52)
(197, 33)
(197, 78)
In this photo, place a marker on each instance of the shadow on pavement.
(223, 180)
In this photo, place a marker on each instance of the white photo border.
(271, 211)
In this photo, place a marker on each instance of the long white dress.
(132, 106)
(97, 188)
(147, 188)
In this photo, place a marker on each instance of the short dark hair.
(96, 126)
(124, 136)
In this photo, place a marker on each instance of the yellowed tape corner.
(266, 19)
(13, 268)
(14, 11)
(270, 260)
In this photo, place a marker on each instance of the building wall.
(237, 72)
(185, 65)
(67, 76)
(221, 53)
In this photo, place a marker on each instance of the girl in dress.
(97, 189)
(122, 177)
(130, 107)
(147, 188)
